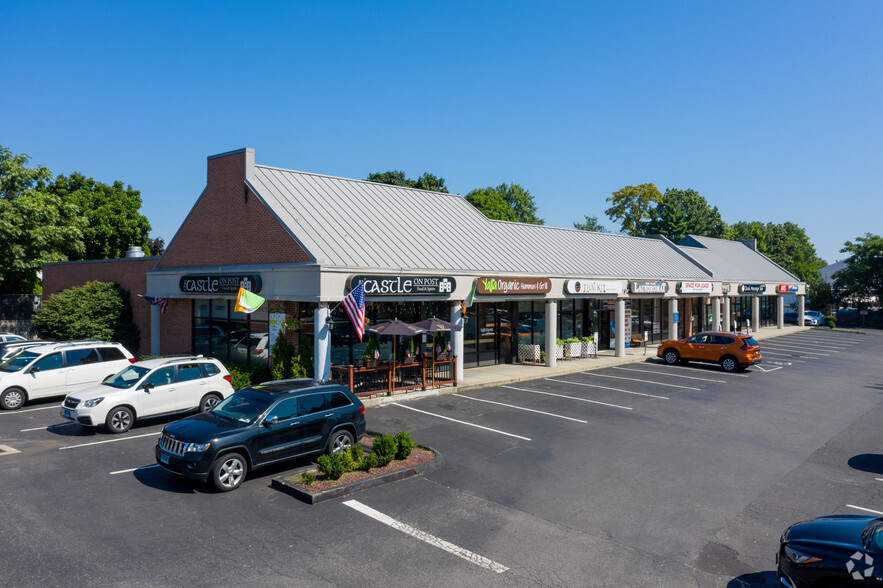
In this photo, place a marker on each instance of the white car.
(813, 318)
(56, 369)
(254, 346)
(150, 388)
(11, 337)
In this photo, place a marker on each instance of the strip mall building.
(303, 240)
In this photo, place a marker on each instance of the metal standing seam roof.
(359, 224)
(734, 260)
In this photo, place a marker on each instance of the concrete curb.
(282, 483)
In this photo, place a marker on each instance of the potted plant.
(573, 347)
(409, 351)
(442, 344)
(588, 346)
(372, 354)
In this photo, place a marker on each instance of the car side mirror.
(272, 420)
(35, 369)
(148, 386)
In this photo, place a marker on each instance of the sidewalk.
(510, 373)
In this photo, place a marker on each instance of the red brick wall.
(229, 225)
(175, 326)
(128, 273)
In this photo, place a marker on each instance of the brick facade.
(229, 225)
(175, 326)
(128, 273)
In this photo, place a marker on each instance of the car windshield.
(16, 363)
(245, 406)
(127, 378)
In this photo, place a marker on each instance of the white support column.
(551, 332)
(716, 313)
(727, 313)
(619, 327)
(154, 330)
(800, 309)
(457, 337)
(672, 325)
(755, 314)
(321, 343)
(780, 312)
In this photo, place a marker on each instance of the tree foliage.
(156, 246)
(36, 226)
(682, 213)
(95, 310)
(630, 206)
(863, 274)
(786, 244)
(508, 202)
(427, 181)
(113, 221)
(591, 224)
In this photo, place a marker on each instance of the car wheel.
(671, 356)
(229, 471)
(13, 399)
(208, 402)
(340, 441)
(729, 364)
(119, 420)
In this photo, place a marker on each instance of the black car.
(260, 425)
(836, 550)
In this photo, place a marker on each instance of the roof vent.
(134, 251)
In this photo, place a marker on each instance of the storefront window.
(230, 336)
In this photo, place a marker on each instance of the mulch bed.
(417, 457)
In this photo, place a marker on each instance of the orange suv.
(732, 351)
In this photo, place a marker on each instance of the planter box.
(573, 350)
(588, 348)
(529, 353)
(559, 352)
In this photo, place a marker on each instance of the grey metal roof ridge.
(330, 177)
(754, 251)
(677, 248)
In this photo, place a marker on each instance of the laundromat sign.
(405, 285)
(648, 287)
(219, 283)
(517, 286)
(592, 287)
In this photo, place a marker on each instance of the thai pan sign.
(513, 286)
(592, 287)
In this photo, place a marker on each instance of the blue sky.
(770, 110)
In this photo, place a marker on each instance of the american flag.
(354, 304)
(161, 302)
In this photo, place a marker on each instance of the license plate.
(68, 414)
(163, 458)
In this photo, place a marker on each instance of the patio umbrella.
(434, 325)
(395, 328)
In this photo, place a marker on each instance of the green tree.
(630, 206)
(786, 244)
(863, 274)
(682, 213)
(427, 181)
(95, 310)
(156, 246)
(36, 226)
(591, 224)
(519, 202)
(114, 223)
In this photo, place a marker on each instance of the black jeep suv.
(260, 425)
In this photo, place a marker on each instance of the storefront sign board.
(752, 288)
(513, 286)
(648, 287)
(405, 285)
(219, 283)
(785, 288)
(694, 287)
(592, 287)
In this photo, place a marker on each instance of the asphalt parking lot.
(636, 474)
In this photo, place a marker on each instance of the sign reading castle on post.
(405, 285)
(219, 283)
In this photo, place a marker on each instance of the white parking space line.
(56, 407)
(461, 422)
(877, 512)
(763, 369)
(7, 450)
(523, 408)
(58, 426)
(134, 469)
(427, 538)
(597, 375)
(798, 350)
(570, 397)
(694, 370)
(817, 343)
(766, 353)
(802, 345)
(616, 367)
(111, 440)
(608, 388)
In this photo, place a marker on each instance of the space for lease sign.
(695, 288)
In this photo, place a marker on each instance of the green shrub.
(307, 478)
(245, 375)
(368, 461)
(404, 444)
(357, 454)
(370, 348)
(95, 310)
(334, 465)
(290, 361)
(384, 449)
(830, 321)
(559, 341)
(588, 339)
(572, 340)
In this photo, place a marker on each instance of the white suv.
(150, 388)
(55, 369)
